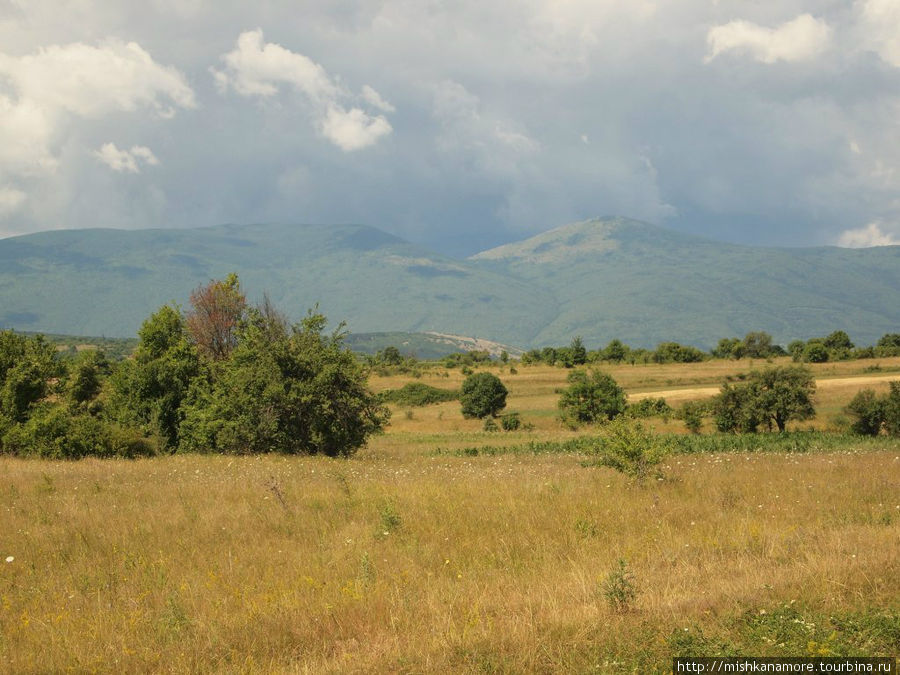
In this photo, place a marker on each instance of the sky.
(456, 125)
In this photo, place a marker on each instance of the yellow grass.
(398, 560)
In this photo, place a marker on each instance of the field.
(410, 558)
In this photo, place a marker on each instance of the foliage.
(85, 378)
(53, 432)
(510, 421)
(876, 413)
(482, 395)
(618, 587)
(148, 390)
(773, 396)
(27, 365)
(577, 352)
(216, 310)
(629, 447)
(591, 396)
(283, 390)
(465, 359)
(649, 407)
(417, 394)
(692, 413)
(672, 352)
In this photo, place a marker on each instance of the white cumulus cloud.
(865, 237)
(125, 160)
(258, 68)
(42, 90)
(800, 39)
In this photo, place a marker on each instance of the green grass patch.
(417, 394)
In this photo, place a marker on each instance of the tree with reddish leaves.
(216, 310)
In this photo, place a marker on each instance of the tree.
(757, 345)
(26, 367)
(148, 390)
(615, 351)
(591, 396)
(772, 397)
(296, 392)
(216, 310)
(838, 341)
(729, 348)
(815, 352)
(577, 351)
(86, 376)
(482, 395)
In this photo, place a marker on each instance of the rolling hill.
(600, 279)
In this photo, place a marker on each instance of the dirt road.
(705, 392)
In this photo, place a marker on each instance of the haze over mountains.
(601, 279)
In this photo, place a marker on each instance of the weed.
(618, 587)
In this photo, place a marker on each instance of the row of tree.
(755, 345)
(224, 377)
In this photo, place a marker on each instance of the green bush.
(629, 447)
(482, 395)
(692, 413)
(510, 421)
(54, 433)
(772, 397)
(649, 407)
(417, 394)
(591, 397)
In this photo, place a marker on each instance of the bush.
(618, 587)
(649, 407)
(417, 394)
(591, 397)
(692, 413)
(868, 411)
(630, 448)
(510, 421)
(54, 433)
(482, 395)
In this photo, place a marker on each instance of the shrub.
(591, 397)
(482, 395)
(417, 394)
(815, 352)
(618, 587)
(510, 421)
(649, 407)
(629, 447)
(868, 411)
(692, 413)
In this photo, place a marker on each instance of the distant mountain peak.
(587, 237)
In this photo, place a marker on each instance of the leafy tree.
(838, 341)
(616, 351)
(815, 352)
(577, 351)
(26, 367)
(729, 348)
(892, 410)
(148, 390)
(889, 340)
(591, 396)
(772, 397)
(668, 352)
(216, 310)
(691, 413)
(86, 375)
(796, 348)
(757, 345)
(482, 395)
(295, 391)
(630, 448)
(389, 356)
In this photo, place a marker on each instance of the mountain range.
(601, 279)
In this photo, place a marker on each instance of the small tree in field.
(216, 310)
(772, 397)
(482, 395)
(591, 397)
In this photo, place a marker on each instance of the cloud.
(47, 89)
(257, 68)
(125, 160)
(865, 237)
(10, 200)
(801, 39)
(880, 23)
(93, 81)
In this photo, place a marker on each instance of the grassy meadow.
(409, 558)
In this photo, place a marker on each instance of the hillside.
(601, 279)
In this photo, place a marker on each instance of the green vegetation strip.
(796, 441)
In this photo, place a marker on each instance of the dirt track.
(706, 392)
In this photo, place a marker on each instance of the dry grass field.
(404, 559)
